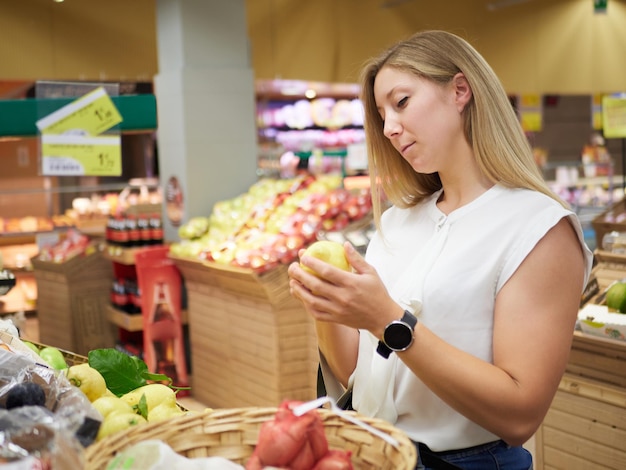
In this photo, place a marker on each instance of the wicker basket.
(233, 433)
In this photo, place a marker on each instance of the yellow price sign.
(531, 120)
(92, 114)
(614, 117)
(80, 155)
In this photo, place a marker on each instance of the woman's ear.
(463, 91)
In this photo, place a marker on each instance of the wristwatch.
(398, 335)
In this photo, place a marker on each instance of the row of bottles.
(134, 230)
(126, 296)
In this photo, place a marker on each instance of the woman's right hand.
(357, 299)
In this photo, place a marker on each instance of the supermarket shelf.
(131, 322)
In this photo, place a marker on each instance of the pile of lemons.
(120, 413)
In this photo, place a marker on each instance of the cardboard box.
(71, 303)
(252, 344)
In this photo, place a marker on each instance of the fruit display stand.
(586, 424)
(72, 297)
(252, 344)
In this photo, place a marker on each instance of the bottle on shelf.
(134, 236)
(119, 296)
(156, 229)
(143, 226)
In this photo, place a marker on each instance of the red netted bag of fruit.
(296, 443)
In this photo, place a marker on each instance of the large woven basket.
(233, 433)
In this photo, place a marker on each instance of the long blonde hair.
(491, 126)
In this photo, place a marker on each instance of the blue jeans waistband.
(467, 450)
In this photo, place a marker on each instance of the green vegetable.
(122, 373)
(53, 357)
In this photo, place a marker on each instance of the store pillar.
(206, 107)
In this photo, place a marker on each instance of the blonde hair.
(491, 126)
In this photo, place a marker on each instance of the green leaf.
(142, 406)
(122, 373)
(156, 377)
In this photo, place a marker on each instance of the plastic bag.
(55, 433)
(154, 454)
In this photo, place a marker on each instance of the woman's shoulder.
(530, 201)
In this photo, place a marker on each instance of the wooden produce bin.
(71, 303)
(252, 344)
(586, 425)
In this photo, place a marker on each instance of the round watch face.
(398, 336)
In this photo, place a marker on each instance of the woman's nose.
(391, 127)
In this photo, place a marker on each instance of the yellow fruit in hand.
(156, 394)
(117, 422)
(88, 380)
(164, 411)
(331, 252)
(107, 405)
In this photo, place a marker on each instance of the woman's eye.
(402, 102)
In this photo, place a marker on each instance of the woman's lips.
(404, 148)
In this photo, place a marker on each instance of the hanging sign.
(596, 112)
(91, 114)
(531, 112)
(72, 143)
(614, 116)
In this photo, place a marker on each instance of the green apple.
(31, 346)
(330, 252)
(53, 357)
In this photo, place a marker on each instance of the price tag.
(80, 155)
(531, 112)
(614, 116)
(92, 114)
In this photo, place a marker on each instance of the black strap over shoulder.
(344, 401)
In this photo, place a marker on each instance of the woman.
(479, 262)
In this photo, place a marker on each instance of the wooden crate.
(585, 427)
(252, 344)
(71, 301)
(599, 359)
(601, 226)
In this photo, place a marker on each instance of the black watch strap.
(409, 319)
(383, 350)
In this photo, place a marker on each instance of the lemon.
(155, 395)
(330, 252)
(88, 380)
(117, 422)
(164, 411)
(616, 297)
(107, 405)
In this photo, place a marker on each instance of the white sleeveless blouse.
(452, 283)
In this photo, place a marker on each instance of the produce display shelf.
(132, 322)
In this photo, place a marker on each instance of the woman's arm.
(535, 314)
(534, 320)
